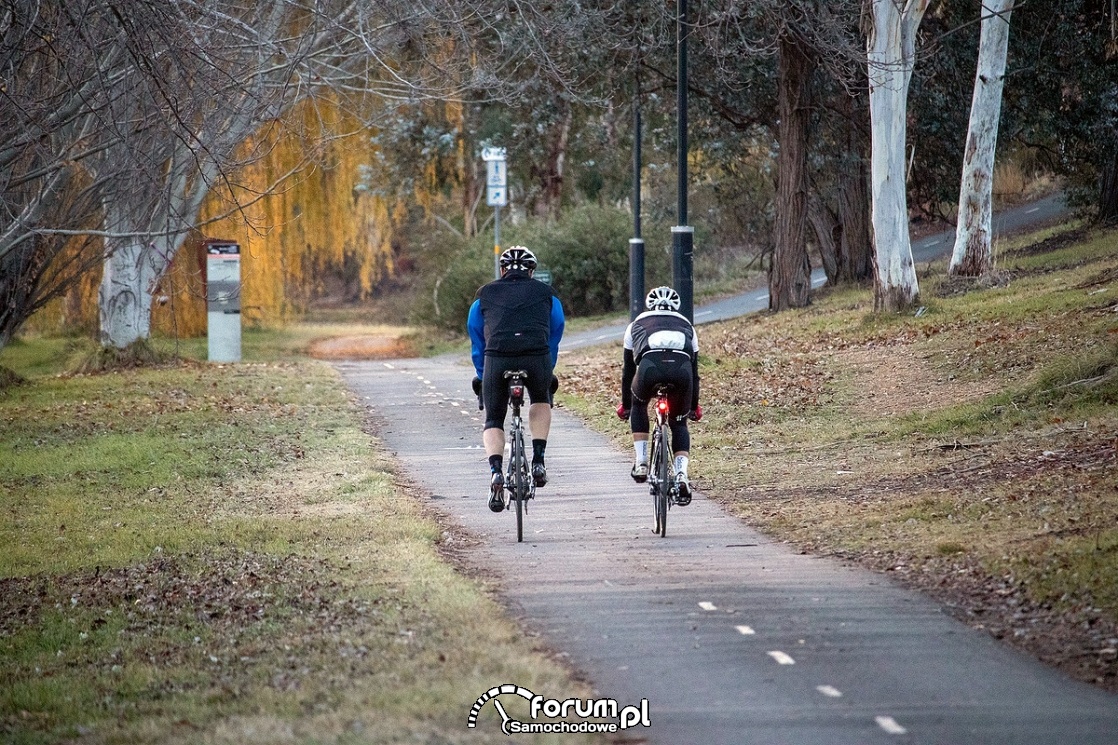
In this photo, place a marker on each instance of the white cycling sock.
(681, 465)
(640, 447)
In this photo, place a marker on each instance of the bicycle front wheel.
(661, 480)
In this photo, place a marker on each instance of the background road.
(731, 637)
(928, 248)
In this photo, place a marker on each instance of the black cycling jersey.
(515, 322)
(666, 336)
(663, 330)
(517, 312)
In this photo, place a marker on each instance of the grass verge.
(220, 554)
(970, 451)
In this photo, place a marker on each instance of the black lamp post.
(683, 236)
(636, 243)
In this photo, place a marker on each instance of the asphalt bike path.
(730, 637)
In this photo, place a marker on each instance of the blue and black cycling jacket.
(515, 316)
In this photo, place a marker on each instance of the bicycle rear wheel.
(518, 467)
(661, 480)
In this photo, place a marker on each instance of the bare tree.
(247, 67)
(973, 252)
(60, 64)
(891, 52)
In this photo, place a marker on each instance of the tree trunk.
(129, 276)
(891, 52)
(21, 271)
(133, 267)
(973, 252)
(825, 226)
(790, 272)
(467, 166)
(1108, 193)
(855, 241)
(551, 176)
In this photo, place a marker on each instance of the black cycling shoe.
(684, 497)
(497, 493)
(539, 474)
(639, 472)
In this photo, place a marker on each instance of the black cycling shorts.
(495, 388)
(662, 368)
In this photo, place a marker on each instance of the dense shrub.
(450, 289)
(586, 251)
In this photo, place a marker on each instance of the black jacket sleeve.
(694, 381)
(628, 370)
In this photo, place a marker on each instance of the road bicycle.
(519, 484)
(662, 483)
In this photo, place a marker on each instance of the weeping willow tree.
(317, 226)
(316, 215)
(305, 224)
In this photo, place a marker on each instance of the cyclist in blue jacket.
(515, 323)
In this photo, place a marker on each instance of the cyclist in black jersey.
(661, 348)
(515, 323)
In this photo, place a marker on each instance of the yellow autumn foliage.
(299, 217)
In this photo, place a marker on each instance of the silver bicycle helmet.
(662, 298)
(517, 257)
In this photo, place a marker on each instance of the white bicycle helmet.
(662, 298)
(517, 257)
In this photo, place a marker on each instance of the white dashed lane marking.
(889, 724)
(782, 658)
(745, 630)
(707, 605)
(1034, 209)
(830, 691)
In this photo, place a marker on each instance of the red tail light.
(662, 406)
(518, 391)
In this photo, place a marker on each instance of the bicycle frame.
(518, 480)
(661, 474)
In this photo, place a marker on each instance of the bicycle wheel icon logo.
(492, 693)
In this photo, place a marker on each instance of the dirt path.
(362, 347)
